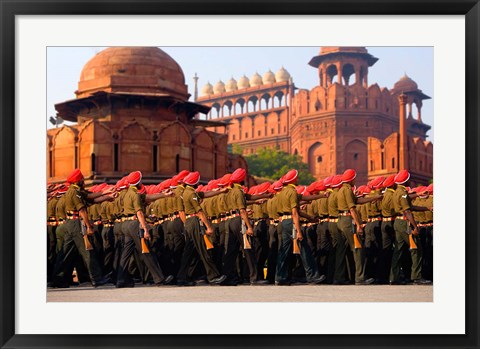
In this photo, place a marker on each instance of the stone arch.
(332, 73)
(104, 152)
(374, 97)
(277, 99)
(252, 104)
(259, 126)
(86, 148)
(215, 111)
(265, 101)
(227, 108)
(174, 148)
(64, 151)
(355, 156)
(135, 148)
(204, 154)
(347, 71)
(391, 151)
(239, 106)
(318, 160)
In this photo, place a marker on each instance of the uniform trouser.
(273, 231)
(60, 236)
(260, 233)
(339, 245)
(51, 249)
(345, 225)
(426, 238)
(130, 231)
(108, 249)
(233, 247)
(73, 242)
(176, 232)
(400, 246)
(385, 262)
(286, 249)
(97, 243)
(194, 243)
(325, 251)
(118, 248)
(373, 249)
(216, 252)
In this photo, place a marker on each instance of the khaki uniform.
(236, 201)
(108, 239)
(287, 201)
(194, 242)
(260, 238)
(373, 238)
(339, 243)
(424, 221)
(346, 201)
(175, 230)
(75, 200)
(402, 203)
(325, 250)
(388, 235)
(274, 231)
(51, 235)
(134, 202)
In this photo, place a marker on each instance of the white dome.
(231, 85)
(256, 80)
(207, 89)
(243, 82)
(282, 75)
(219, 87)
(268, 77)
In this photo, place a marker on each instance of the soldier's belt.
(72, 217)
(310, 224)
(388, 219)
(323, 220)
(61, 221)
(158, 222)
(425, 225)
(215, 221)
(376, 219)
(108, 225)
(345, 214)
(191, 215)
(285, 216)
(332, 220)
(118, 220)
(402, 218)
(52, 223)
(97, 222)
(130, 218)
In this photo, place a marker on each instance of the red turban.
(192, 178)
(290, 177)
(402, 177)
(349, 175)
(75, 176)
(238, 175)
(134, 178)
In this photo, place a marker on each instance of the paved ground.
(299, 293)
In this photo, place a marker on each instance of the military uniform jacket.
(322, 207)
(401, 200)
(387, 203)
(75, 199)
(332, 204)
(191, 201)
(374, 208)
(236, 198)
(60, 212)
(178, 200)
(428, 214)
(272, 207)
(132, 202)
(419, 215)
(117, 209)
(52, 203)
(221, 203)
(346, 198)
(288, 200)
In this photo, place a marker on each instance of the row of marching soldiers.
(180, 232)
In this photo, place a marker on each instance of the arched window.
(319, 159)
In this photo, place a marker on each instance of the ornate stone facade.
(132, 113)
(341, 123)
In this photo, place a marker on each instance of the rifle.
(206, 239)
(296, 248)
(356, 241)
(145, 248)
(246, 242)
(411, 240)
(86, 240)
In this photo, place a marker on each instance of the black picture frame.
(11, 8)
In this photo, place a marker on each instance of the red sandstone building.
(132, 113)
(341, 123)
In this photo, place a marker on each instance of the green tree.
(272, 164)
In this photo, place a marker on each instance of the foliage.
(273, 164)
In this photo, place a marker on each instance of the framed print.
(32, 31)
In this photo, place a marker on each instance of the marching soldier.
(406, 233)
(260, 231)
(289, 209)
(347, 211)
(274, 231)
(76, 208)
(195, 218)
(325, 251)
(134, 228)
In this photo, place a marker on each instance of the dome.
(207, 89)
(231, 85)
(140, 70)
(405, 84)
(282, 75)
(243, 82)
(336, 49)
(256, 80)
(268, 77)
(219, 87)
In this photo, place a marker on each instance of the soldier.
(237, 205)
(108, 238)
(404, 226)
(427, 271)
(260, 230)
(76, 208)
(51, 229)
(347, 211)
(274, 231)
(325, 251)
(373, 232)
(289, 209)
(195, 220)
(134, 221)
